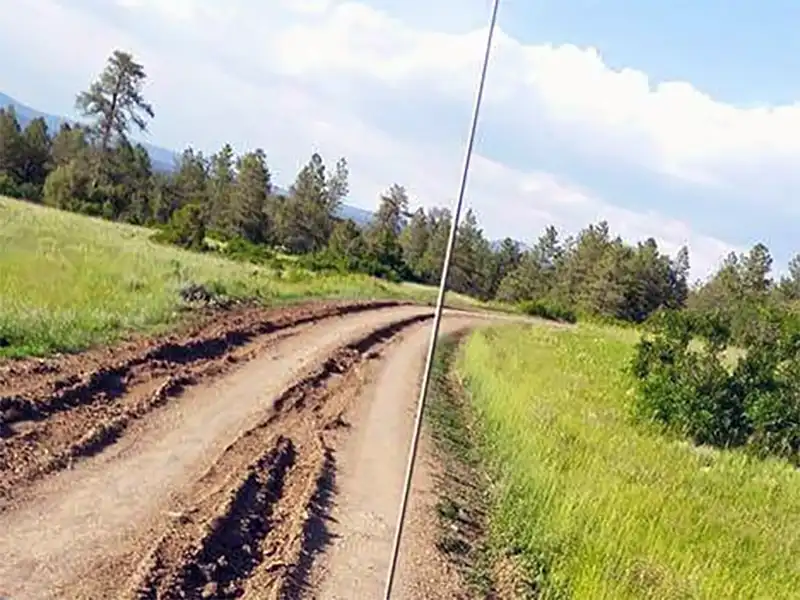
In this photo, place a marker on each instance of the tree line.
(94, 168)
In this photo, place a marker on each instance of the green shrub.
(8, 186)
(11, 188)
(245, 251)
(67, 188)
(328, 262)
(548, 310)
(185, 228)
(693, 392)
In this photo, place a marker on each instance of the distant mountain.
(359, 215)
(26, 113)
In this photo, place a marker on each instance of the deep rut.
(254, 526)
(214, 558)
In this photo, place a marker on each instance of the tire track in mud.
(255, 518)
(57, 411)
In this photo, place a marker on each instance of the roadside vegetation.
(588, 502)
(750, 399)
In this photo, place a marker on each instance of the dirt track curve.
(258, 455)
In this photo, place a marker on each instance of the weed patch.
(463, 486)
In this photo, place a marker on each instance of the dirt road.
(371, 471)
(208, 464)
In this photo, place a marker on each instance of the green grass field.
(69, 281)
(595, 506)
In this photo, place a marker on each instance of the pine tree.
(470, 272)
(439, 220)
(414, 242)
(527, 281)
(36, 148)
(337, 186)
(11, 145)
(679, 283)
(192, 179)
(305, 218)
(756, 267)
(504, 261)
(249, 199)
(384, 232)
(114, 102)
(68, 144)
(132, 175)
(347, 240)
(220, 187)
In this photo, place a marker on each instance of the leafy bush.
(186, 228)
(23, 191)
(67, 188)
(694, 392)
(548, 310)
(245, 251)
(8, 187)
(330, 262)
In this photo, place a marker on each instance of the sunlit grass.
(598, 507)
(68, 281)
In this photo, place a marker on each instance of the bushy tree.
(67, 187)
(414, 241)
(68, 144)
(186, 228)
(347, 240)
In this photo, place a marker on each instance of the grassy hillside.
(593, 506)
(69, 281)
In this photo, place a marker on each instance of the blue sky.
(675, 120)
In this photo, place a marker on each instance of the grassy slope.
(601, 508)
(68, 281)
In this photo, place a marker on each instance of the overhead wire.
(437, 317)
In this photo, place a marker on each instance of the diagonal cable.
(437, 318)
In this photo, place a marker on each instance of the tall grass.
(593, 506)
(68, 281)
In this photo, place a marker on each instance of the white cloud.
(671, 127)
(313, 7)
(283, 76)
